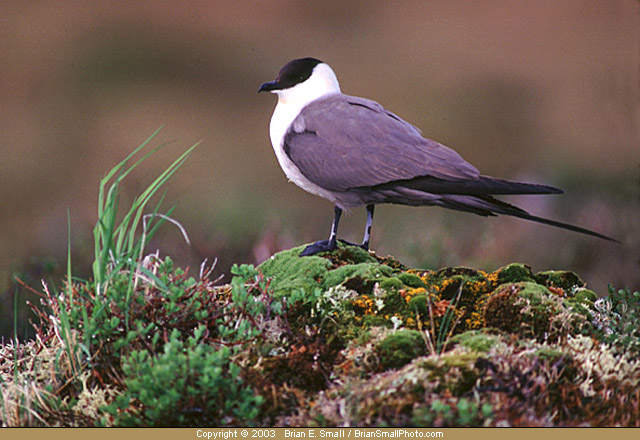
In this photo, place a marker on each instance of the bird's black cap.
(294, 72)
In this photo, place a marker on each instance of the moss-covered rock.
(513, 298)
(476, 340)
(349, 265)
(391, 284)
(529, 310)
(400, 348)
(582, 301)
(454, 371)
(559, 278)
(394, 397)
(360, 277)
(419, 304)
(411, 280)
(514, 273)
(289, 272)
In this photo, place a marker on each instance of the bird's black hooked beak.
(269, 86)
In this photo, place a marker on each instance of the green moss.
(583, 301)
(523, 308)
(559, 278)
(391, 284)
(365, 275)
(391, 262)
(534, 292)
(418, 304)
(400, 348)
(453, 371)
(411, 280)
(585, 295)
(289, 272)
(476, 340)
(354, 255)
(394, 304)
(514, 273)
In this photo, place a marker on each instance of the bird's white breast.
(291, 101)
(283, 117)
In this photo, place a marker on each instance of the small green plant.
(88, 314)
(180, 363)
(189, 383)
(118, 243)
(438, 336)
(461, 412)
(617, 319)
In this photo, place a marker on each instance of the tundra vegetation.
(346, 338)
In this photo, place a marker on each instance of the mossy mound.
(559, 279)
(393, 398)
(478, 340)
(419, 344)
(576, 383)
(289, 272)
(400, 348)
(381, 292)
(529, 310)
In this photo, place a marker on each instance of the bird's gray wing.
(341, 142)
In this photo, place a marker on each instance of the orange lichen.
(409, 294)
(557, 291)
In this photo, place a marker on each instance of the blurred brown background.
(542, 91)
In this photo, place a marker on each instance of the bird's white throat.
(291, 101)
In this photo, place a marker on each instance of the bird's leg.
(325, 245)
(367, 229)
(333, 236)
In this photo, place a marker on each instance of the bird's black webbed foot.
(318, 247)
(348, 243)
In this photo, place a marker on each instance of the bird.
(354, 152)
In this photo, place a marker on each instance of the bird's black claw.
(318, 247)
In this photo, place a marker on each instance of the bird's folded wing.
(341, 142)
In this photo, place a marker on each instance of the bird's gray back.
(341, 142)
